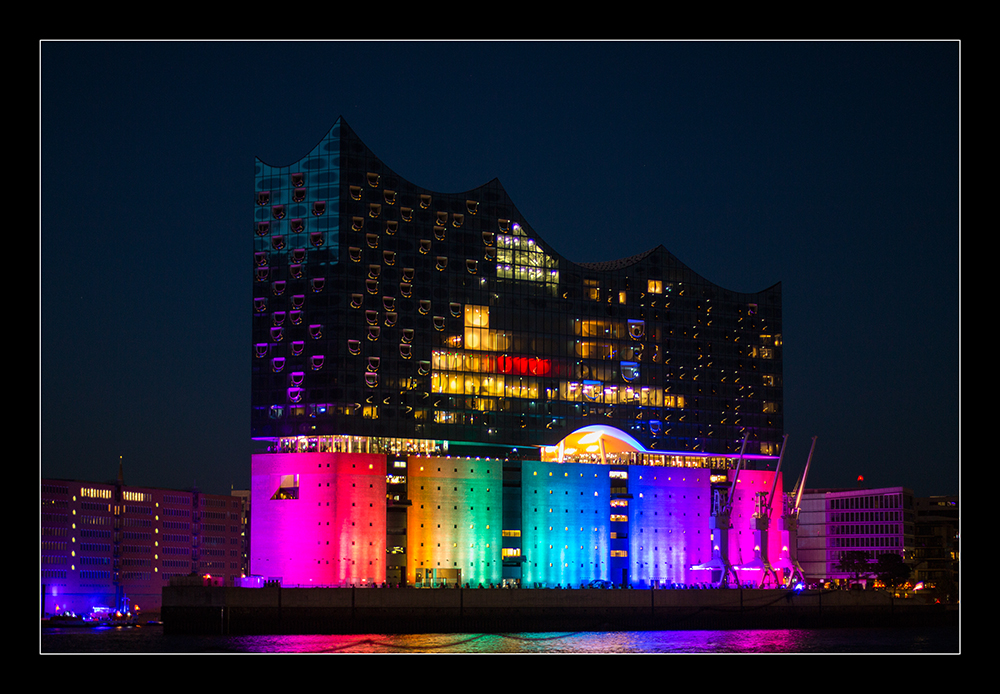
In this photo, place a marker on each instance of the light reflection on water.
(152, 640)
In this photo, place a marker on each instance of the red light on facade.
(540, 367)
(524, 366)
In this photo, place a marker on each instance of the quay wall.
(276, 610)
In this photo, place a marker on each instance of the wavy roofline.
(598, 266)
(605, 265)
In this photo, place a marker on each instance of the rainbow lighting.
(440, 397)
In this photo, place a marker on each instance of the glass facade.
(385, 310)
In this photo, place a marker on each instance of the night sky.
(831, 167)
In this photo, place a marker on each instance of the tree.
(855, 563)
(891, 570)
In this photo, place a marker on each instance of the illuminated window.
(519, 257)
(288, 488)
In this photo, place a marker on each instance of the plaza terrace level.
(428, 373)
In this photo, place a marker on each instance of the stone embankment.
(276, 610)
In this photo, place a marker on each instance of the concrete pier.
(276, 610)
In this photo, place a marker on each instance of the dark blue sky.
(830, 167)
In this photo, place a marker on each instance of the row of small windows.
(867, 501)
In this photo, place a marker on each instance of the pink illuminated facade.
(321, 518)
(750, 510)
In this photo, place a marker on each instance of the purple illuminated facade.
(439, 396)
(107, 546)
